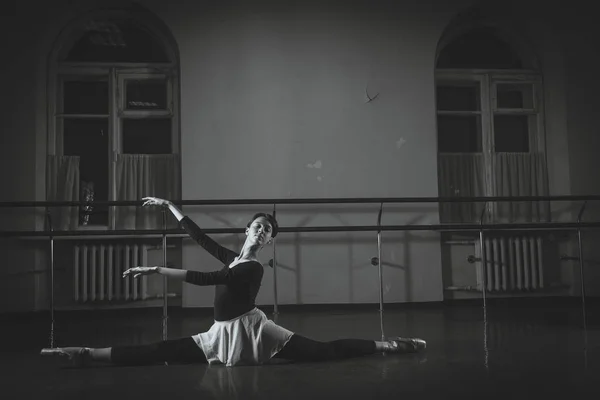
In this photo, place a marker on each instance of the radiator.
(98, 271)
(513, 263)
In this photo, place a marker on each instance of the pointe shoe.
(74, 356)
(407, 345)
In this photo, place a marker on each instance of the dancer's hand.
(166, 204)
(137, 271)
(155, 201)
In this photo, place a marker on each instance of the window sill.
(92, 228)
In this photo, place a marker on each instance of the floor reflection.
(540, 347)
(295, 380)
(231, 383)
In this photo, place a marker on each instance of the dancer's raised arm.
(223, 254)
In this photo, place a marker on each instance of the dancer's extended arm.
(222, 277)
(171, 273)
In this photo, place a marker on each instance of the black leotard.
(236, 288)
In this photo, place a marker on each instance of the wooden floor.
(520, 349)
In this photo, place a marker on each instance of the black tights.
(186, 351)
(300, 348)
(176, 351)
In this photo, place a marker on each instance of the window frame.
(537, 140)
(483, 105)
(489, 80)
(116, 75)
(122, 75)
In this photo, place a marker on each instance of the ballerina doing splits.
(241, 333)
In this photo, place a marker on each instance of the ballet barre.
(165, 233)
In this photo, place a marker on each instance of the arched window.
(116, 40)
(113, 107)
(478, 48)
(489, 123)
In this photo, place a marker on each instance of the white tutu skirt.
(250, 339)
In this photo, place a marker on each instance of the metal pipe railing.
(274, 266)
(380, 271)
(581, 271)
(331, 200)
(535, 226)
(484, 267)
(50, 229)
(165, 283)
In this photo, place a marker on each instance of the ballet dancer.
(241, 333)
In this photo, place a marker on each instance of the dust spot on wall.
(400, 142)
(386, 288)
(318, 164)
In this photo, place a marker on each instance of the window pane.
(116, 41)
(85, 97)
(88, 138)
(458, 97)
(146, 94)
(511, 132)
(147, 136)
(459, 134)
(510, 95)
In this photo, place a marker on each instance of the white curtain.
(141, 175)
(513, 174)
(520, 174)
(62, 184)
(460, 175)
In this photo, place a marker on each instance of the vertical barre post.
(581, 272)
(49, 219)
(380, 271)
(275, 307)
(164, 250)
(484, 288)
(483, 260)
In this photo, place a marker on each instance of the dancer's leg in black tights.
(184, 351)
(300, 348)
